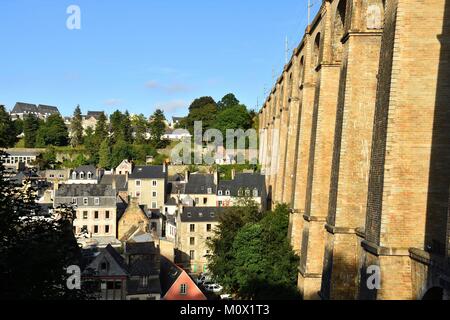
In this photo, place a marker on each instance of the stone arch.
(301, 69)
(435, 293)
(375, 14)
(316, 50)
(339, 29)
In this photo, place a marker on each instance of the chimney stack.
(233, 174)
(186, 176)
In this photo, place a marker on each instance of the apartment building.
(148, 185)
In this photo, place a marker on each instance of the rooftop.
(148, 172)
(200, 183)
(85, 190)
(200, 214)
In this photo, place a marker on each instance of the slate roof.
(134, 287)
(172, 202)
(85, 190)
(199, 184)
(22, 107)
(95, 114)
(45, 109)
(175, 187)
(169, 274)
(141, 248)
(148, 172)
(121, 181)
(117, 257)
(201, 214)
(176, 119)
(243, 181)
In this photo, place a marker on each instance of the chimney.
(114, 182)
(216, 177)
(233, 174)
(126, 176)
(186, 176)
(164, 167)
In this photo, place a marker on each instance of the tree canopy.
(8, 129)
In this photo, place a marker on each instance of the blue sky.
(143, 54)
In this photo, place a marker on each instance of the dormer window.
(219, 192)
(81, 175)
(240, 193)
(247, 192)
(89, 175)
(212, 214)
(209, 190)
(255, 192)
(227, 192)
(200, 214)
(74, 175)
(85, 201)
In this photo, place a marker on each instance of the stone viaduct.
(355, 137)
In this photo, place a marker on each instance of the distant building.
(124, 168)
(243, 185)
(175, 122)
(143, 260)
(176, 284)
(202, 188)
(133, 220)
(108, 273)
(25, 156)
(96, 210)
(176, 135)
(195, 227)
(148, 185)
(59, 175)
(22, 110)
(85, 175)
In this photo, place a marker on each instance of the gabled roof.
(134, 287)
(199, 184)
(169, 274)
(85, 169)
(176, 119)
(148, 172)
(201, 214)
(45, 109)
(243, 181)
(120, 181)
(95, 114)
(110, 255)
(147, 248)
(22, 107)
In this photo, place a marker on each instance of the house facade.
(148, 185)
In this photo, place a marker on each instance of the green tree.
(116, 123)
(127, 129)
(228, 101)
(53, 132)
(30, 128)
(104, 154)
(141, 151)
(76, 128)
(201, 102)
(8, 130)
(91, 146)
(121, 150)
(140, 126)
(206, 114)
(233, 118)
(35, 252)
(48, 160)
(101, 128)
(157, 129)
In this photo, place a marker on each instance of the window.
(106, 229)
(197, 200)
(85, 215)
(95, 229)
(81, 175)
(118, 285)
(104, 266)
(192, 254)
(154, 226)
(205, 200)
(255, 192)
(247, 193)
(74, 201)
(85, 201)
(154, 183)
(107, 214)
(183, 289)
(97, 201)
(209, 190)
(110, 285)
(207, 252)
(192, 227)
(219, 192)
(200, 214)
(95, 214)
(220, 204)
(212, 214)
(138, 183)
(74, 175)
(208, 238)
(144, 281)
(89, 175)
(208, 227)
(227, 192)
(154, 205)
(154, 194)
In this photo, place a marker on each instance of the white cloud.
(172, 106)
(113, 102)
